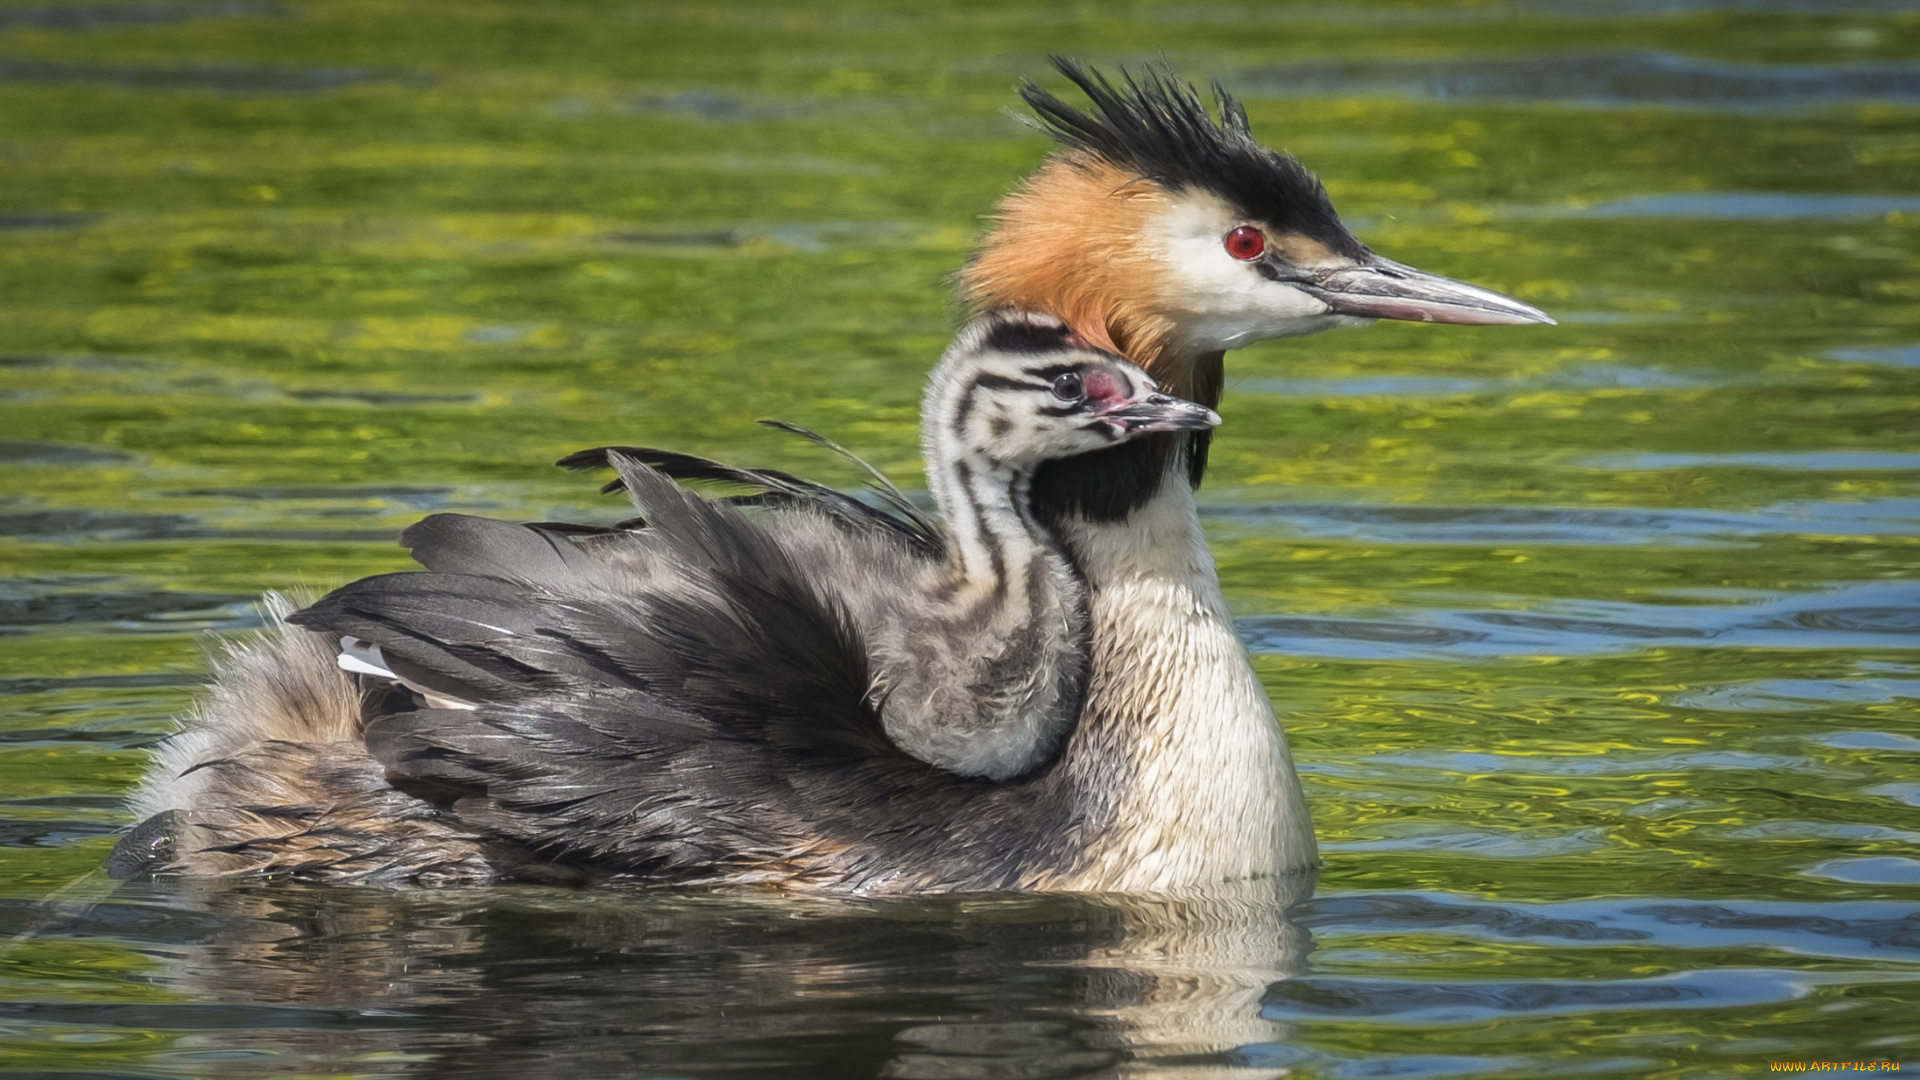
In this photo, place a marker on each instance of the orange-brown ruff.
(1120, 234)
(1069, 242)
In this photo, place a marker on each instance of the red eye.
(1246, 242)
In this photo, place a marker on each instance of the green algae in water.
(1596, 643)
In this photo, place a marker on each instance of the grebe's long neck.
(983, 675)
(1208, 790)
(997, 552)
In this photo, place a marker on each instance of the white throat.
(1213, 795)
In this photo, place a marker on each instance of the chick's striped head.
(1019, 388)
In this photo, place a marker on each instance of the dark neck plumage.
(1104, 486)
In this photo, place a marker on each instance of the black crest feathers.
(1156, 126)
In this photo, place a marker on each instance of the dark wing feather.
(478, 638)
(695, 730)
(461, 544)
(878, 482)
(781, 489)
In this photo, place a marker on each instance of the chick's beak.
(1384, 289)
(1158, 412)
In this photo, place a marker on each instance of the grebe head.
(1017, 389)
(1161, 233)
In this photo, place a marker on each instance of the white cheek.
(1219, 301)
(1099, 438)
(1079, 440)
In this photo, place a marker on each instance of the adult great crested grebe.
(1154, 230)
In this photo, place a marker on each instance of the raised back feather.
(781, 489)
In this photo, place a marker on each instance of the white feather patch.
(364, 658)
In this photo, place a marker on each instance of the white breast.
(1212, 794)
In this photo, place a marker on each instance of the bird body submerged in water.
(1154, 232)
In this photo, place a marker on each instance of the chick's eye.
(1246, 242)
(1067, 387)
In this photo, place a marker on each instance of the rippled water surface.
(1599, 644)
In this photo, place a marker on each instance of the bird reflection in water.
(604, 982)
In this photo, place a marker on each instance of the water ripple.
(33, 606)
(1812, 460)
(224, 79)
(1614, 78)
(1840, 930)
(1799, 695)
(1587, 377)
(84, 524)
(1743, 206)
(1881, 614)
(1880, 870)
(1817, 830)
(1894, 356)
(1612, 763)
(38, 452)
(1405, 1001)
(1906, 793)
(1874, 740)
(144, 12)
(1511, 844)
(1514, 10)
(1402, 524)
